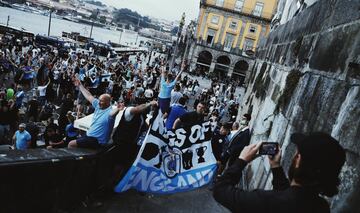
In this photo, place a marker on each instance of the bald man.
(102, 122)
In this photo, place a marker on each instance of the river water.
(38, 24)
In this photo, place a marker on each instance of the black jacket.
(236, 145)
(282, 199)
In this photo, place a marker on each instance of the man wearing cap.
(238, 141)
(22, 138)
(314, 173)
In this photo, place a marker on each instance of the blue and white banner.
(172, 161)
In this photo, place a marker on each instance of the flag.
(172, 161)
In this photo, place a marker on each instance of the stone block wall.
(307, 78)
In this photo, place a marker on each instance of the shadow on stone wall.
(307, 78)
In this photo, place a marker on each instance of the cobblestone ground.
(200, 200)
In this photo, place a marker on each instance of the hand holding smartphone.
(269, 148)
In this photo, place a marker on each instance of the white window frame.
(211, 33)
(246, 44)
(219, 3)
(233, 25)
(258, 10)
(239, 4)
(252, 27)
(228, 44)
(215, 19)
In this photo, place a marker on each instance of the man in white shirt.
(42, 93)
(175, 95)
(149, 93)
(238, 141)
(234, 129)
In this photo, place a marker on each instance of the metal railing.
(220, 47)
(243, 10)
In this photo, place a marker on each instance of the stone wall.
(307, 78)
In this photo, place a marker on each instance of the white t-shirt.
(42, 90)
(128, 84)
(128, 115)
(148, 93)
(175, 97)
(56, 74)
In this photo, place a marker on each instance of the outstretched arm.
(114, 112)
(181, 70)
(141, 108)
(163, 73)
(176, 123)
(83, 90)
(178, 76)
(48, 83)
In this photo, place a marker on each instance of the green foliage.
(128, 16)
(102, 19)
(292, 81)
(97, 3)
(259, 85)
(94, 14)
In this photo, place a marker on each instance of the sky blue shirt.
(165, 88)
(102, 123)
(21, 139)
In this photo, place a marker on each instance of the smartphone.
(269, 148)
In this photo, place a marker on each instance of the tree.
(102, 19)
(125, 15)
(97, 3)
(94, 14)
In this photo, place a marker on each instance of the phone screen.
(269, 148)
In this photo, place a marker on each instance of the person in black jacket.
(128, 131)
(237, 143)
(314, 171)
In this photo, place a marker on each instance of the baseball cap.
(321, 154)
(22, 125)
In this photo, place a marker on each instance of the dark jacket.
(126, 136)
(235, 146)
(282, 199)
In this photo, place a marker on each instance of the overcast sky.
(167, 9)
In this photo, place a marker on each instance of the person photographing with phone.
(314, 172)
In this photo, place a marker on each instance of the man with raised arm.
(165, 89)
(102, 123)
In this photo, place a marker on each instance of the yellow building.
(227, 34)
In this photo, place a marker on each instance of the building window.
(239, 5)
(248, 44)
(229, 40)
(233, 25)
(215, 19)
(220, 3)
(252, 29)
(210, 37)
(258, 9)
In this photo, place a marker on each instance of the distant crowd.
(37, 90)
